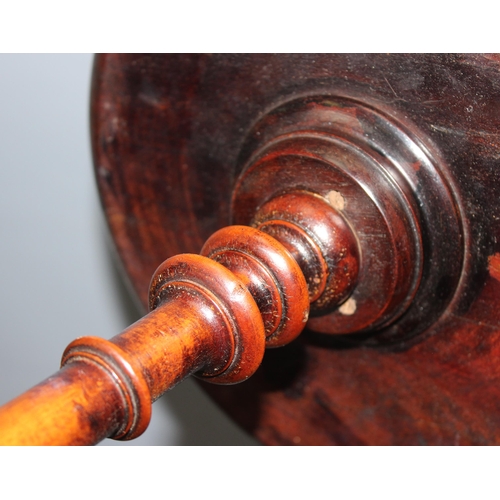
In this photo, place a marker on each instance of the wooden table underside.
(167, 131)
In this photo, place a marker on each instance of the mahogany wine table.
(317, 239)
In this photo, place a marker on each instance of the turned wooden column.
(211, 315)
(359, 197)
(405, 146)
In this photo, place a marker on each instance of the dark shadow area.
(282, 367)
(283, 370)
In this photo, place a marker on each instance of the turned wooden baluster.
(211, 315)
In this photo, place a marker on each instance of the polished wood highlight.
(320, 240)
(105, 388)
(272, 276)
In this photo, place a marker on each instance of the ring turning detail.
(212, 315)
(389, 186)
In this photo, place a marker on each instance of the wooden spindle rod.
(211, 315)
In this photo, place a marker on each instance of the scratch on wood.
(390, 86)
(447, 130)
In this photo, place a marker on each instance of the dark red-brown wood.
(171, 135)
(210, 316)
(377, 201)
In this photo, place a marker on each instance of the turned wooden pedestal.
(320, 232)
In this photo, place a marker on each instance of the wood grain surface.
(168, 131)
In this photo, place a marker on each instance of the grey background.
(58, 279)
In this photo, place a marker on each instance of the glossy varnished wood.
(79, 405)
(210, 316)
(168, 132)
(320, 241)
(105, 388)
(270, 273)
